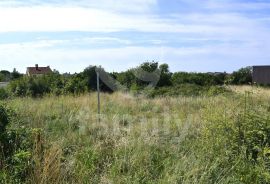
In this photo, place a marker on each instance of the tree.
(126, 78)
(2, 77)
(242, 76)
(15, 74)
(90, 75)
(165, 76)
(149, 66)
(147, 73)
(5, 76)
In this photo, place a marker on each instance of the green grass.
(209, 139)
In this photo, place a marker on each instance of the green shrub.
(217, 90)
(16, 147)
(3, 94)
(4, 120)
(189, 90)
(202, 79)
(75, 85)
(18, 87)
(240, 141)
(21, 165)
(240, 77)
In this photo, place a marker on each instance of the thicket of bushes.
(241, 141)
(135, 79)
(16, 145)
(189, 90)
(6, 76)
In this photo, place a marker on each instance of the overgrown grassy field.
(214, 139)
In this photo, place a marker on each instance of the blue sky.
(189, 35)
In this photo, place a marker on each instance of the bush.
(202, 79)
(37, 86)
(217, 90)
(16, 146)
(4, 120)
(3, 94)
(241, 141)
(75, 85)
(240, 77)
(135, 79)
(189, 90)
(18, 87)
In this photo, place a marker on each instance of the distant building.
(261, 74)
(38, 71)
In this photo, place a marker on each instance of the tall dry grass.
(138, 140)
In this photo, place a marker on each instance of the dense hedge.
(135, 79)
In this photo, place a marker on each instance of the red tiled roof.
(39, 70)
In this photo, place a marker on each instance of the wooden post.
(98, 94)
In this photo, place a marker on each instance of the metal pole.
(98, 93)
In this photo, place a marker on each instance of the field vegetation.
(213, 138)
(183, 128)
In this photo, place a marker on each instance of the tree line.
(134, 79)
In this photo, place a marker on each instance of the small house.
(38, 71)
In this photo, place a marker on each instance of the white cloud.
(71, 19)
(227, 5)
(103, 40)
(31, 45)
(61, 19)
(108, 16)
(124, 6)
(208, 58)
(234, 5)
